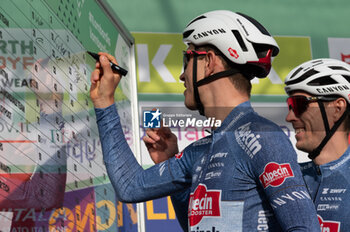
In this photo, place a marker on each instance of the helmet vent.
(240, 40)
(309, 73)
(338, 68)
(296, 72)
(302, 77)
(261, 28)
(187, 34)
(196, 19)
(347, 78)
(321, 81)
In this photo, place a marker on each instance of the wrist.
(103, 102)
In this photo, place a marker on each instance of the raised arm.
(130, 181)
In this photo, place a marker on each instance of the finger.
(97, 65)
(106, 67)
(153, 135)
(165, 132)
(148, 140)
(109, 56)
(95, 76)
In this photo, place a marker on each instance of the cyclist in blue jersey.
(319, 97)
(318, 104)
(245, 175)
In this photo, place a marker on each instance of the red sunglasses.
(299, 103)
(187, 55)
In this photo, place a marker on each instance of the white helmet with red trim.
(320, 77)
(240, 38)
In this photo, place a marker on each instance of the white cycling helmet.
(239, 37)
(320, 77)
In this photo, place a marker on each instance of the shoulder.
(197, 146)
(261, 129)
(201, 142)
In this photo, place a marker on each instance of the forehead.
(300, 93)
(190, 47)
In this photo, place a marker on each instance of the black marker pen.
(114, 67)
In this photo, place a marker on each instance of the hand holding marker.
(114, 67)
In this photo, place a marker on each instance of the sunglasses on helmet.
(299, 103)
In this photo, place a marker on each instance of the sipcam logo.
(151, 118)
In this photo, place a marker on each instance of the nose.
(182, 76)
(291, 116)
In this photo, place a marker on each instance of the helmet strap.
(206, 80)
(197, 99)
(329, 132)
(216, 76)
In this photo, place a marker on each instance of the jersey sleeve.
(130, 181)
(275, 167)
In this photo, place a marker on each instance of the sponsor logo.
(248, 140)
(211, 175)
(326, 207)
(338, 190)
(203, 203)
(333, 89)
(345, 58)
(325, 190)
(274, 174)
(328, 226)
(330, 198)
(17, 82)
(286, 198)
(263, 218)
(202, 141)
(151, 118)
(219, 155)
(233, 53)
(179, 155)
(209, 33)
(198, 229)
(333, 191)
(242, 25)
(216, 165)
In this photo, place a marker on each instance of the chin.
(302, 148)
(190, 105)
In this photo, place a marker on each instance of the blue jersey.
(329, 185)
(243, 177)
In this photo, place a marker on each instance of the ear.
(340, 106)
(211, 62)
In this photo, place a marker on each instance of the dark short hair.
(240, 80)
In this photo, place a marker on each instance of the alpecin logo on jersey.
(274, 174)
(248, 140)
(329, 226)
(203, 203)
(179, 155)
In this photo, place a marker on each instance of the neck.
(221, 98)
(333, 150)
